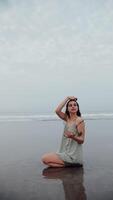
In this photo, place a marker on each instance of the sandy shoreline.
(24, 177)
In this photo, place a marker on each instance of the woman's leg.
(52, 160)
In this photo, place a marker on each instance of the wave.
(51, 117)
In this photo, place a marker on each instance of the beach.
(24, 177)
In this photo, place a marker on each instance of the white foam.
(51, 117)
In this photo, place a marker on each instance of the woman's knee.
(46, 158)
(51, 157)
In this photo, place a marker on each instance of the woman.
(70, 152)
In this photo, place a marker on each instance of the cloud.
(47, 48)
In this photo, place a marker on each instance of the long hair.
(78, 111)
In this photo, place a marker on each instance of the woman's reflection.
(72, 180)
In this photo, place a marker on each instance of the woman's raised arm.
(58, 110)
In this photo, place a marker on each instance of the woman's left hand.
(69, 134)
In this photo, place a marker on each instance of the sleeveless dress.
(70, 151)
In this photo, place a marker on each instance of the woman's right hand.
(68, 134)
(72, 98)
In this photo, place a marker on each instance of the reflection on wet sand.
(72, 180)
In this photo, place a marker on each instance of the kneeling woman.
(70, 152)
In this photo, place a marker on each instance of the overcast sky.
(50, 49)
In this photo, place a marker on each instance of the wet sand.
(24, 177)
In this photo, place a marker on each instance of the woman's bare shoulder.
(79, 120)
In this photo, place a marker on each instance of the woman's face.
(72, 107)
